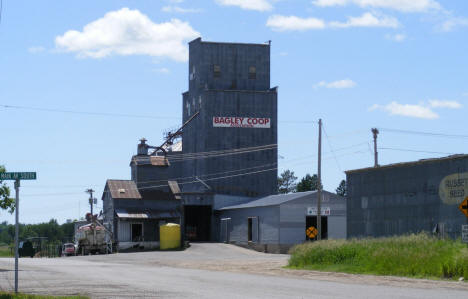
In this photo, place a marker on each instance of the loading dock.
(197, 222)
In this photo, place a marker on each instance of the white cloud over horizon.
(178, 9)
(399, 5)
(294, 23)
(129, 32)
(340, 84)
(367, 20)
(421, 110)
(399, 37)
(258, 5)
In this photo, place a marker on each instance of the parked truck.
(91, 239)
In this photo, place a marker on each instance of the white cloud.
(178, 9)
(400, 5)
(465, 94)
(445, 104)
(367, 20)
(408, 110)
(340, 84)
(36, 49)
(399, 37)
(293, 23)
(129, 32)
(453, 22)
(259, 5)
(421, 110)
(162, 70)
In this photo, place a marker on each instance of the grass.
(26, 296)
(421, 256)
(5, 251)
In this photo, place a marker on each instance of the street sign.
(464, 207)
(324, 211)
(13, 176)
(311, 232)
(465, 233)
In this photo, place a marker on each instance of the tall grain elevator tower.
(234, 136)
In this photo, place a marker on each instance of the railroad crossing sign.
(13, 176)
(311, 232)
(464, 207)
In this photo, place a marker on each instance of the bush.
(418, 255)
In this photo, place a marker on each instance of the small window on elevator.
(252, 72)
(216, 71)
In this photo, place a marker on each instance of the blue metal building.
(276, 223)
(408, 197)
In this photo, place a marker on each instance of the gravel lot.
(207, 270)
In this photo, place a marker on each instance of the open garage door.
(197, 223)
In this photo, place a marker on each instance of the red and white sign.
(241, 122)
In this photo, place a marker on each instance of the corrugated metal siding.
(124, 231)
(402, 199)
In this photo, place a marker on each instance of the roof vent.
(121, 190)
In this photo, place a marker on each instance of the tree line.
(53, 231)
(287, 183)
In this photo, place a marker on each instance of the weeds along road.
(206, 271)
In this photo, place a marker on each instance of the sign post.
(17, 176)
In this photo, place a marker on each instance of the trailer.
(91, 239)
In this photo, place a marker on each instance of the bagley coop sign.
(241, 122)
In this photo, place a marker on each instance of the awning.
(146, 214)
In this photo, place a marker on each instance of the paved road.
(207, 271)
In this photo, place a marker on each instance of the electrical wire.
(415, 151)
(423, 133)
(86, 112)
(331, 149)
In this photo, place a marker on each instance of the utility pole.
(90, 191)
(375, 132)
(319, 183)
(17, 185)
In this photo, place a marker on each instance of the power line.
(86, 112)
(423, 133)
(331, 149)
(415, 151)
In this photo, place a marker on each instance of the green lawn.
(5, 251)
(421, 256)
(26, 296)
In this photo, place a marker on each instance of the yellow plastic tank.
(169, 236)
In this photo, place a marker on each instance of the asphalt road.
(207, 271)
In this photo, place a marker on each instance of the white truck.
(91, 239)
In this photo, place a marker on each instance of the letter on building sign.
(241, 122)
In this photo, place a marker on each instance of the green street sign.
(17, 176)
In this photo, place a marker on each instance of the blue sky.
(356, 64)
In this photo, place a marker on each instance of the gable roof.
(272, 200)
(123, 189)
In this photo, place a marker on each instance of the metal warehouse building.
(277, 222)
(408, 197)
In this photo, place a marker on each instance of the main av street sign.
(13, 176)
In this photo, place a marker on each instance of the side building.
(277, 222)
(408, 197)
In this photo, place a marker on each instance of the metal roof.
(411, 163)
(272, 200)
(145, 213)
(123, 189)
(150, 160)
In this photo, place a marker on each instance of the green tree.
(6, 203)
(287, 182)
(307, 183)
(341, 190)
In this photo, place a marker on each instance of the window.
(216, 71)
(252, 72)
